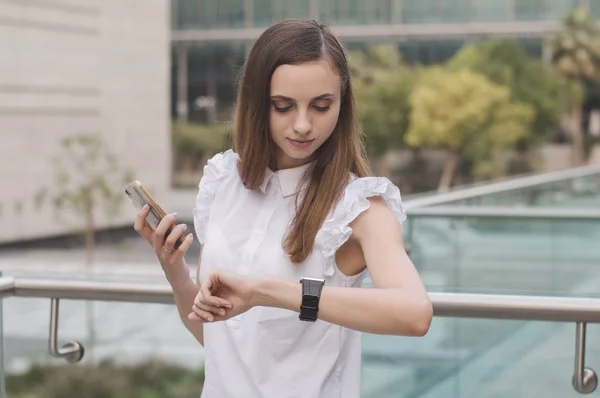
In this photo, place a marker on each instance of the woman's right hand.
(171, 259)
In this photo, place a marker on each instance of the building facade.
(78, 67)
(210, 37)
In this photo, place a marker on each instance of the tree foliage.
(87, 179)
(467, 114)
(576, 47)
(149, 379)
(193, 143)
(530, 80)
(575, 53)
(382, 86)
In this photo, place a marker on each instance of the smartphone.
(139, 196)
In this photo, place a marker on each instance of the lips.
(301, 143)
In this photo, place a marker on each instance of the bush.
(151, 379)
(193, 142)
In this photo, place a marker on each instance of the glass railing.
(131, 349)
(575, 192)
(557, 254)
(575, 187)
(485, 358)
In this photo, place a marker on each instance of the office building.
(80, 67)
(211, 37)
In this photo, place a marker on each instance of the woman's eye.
(322, 108)
(282, 109)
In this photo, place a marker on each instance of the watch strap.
(311, 294)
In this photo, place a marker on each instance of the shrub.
(150, 379)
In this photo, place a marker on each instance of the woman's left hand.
(223, 295)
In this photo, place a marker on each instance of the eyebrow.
(319, 97)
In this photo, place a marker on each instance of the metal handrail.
(85, 289)
(511, 184)
(580, 214)
(459, 305)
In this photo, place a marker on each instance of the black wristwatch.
(311, 293)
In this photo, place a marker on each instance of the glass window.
(435, 11)
(489, 10)
(557, 9)
(212, 72)
(230, 13)
(206, 14)
(187, 14)
(453, 11)
(268, 12)
(294, 8)
(417, 11)
(356, 12)
(595, 8)
(543, 10)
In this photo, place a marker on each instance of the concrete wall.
(80, 66)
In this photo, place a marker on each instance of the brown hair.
(295, 42)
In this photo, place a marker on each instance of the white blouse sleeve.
(336, 229)
(219, 166)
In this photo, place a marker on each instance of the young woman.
(290, 225)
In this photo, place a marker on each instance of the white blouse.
(269, 352)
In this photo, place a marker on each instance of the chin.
(295, 158)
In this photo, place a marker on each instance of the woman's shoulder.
(359, 190)
(217, 170)
(355, 200)
(219, 166)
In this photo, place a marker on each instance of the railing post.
(2, 370)
(73, 350)
(585, 379)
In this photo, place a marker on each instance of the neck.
(283, 162)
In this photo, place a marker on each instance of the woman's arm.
(184, 293)
(397, 305)
(173, 264)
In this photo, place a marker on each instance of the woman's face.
(305, 105)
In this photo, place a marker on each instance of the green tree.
(382, 86)
(530, 80)
(575, 51)
(468, 115)
(88, 182)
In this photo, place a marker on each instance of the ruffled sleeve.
(217, 168)
(336, 229)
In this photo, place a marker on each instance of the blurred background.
(486, 114)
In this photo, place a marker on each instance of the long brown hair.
(296, 42)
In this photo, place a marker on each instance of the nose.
(302, 123)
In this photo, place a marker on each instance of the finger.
(173, 236)
(200, 303)
(187, 243)
(141, 226)
(204, 316)
(195, 317)
(203, 305)
(216, 311)
(161, 229)
(178, 254)
(205, 297)
(209, 299)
